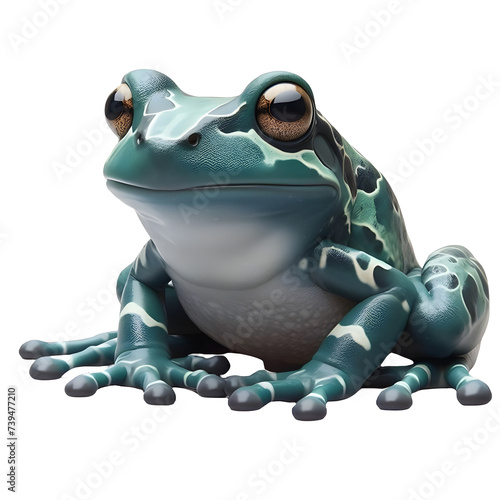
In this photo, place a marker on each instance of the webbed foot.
(152, 371)
(470, 391)
(148, 369)
(310, 387)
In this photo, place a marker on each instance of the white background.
(64, 238)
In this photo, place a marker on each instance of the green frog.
(271, 236)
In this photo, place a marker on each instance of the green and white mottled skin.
(295, 252)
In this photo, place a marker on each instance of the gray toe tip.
(81, 386)
(211, 386)
(218, 365)
(475, 392)
(244, 400)
(159, 394)
(309, 409)
(48, 368)
(394, 398)
(33, 349)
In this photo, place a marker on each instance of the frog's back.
(377, 224)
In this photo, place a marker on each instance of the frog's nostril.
(140, 138)
(194, 139)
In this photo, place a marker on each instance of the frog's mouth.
(230, 202)
(232, 234)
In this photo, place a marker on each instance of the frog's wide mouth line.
(123, 186)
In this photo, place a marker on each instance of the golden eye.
(119, 110)
(284, 112)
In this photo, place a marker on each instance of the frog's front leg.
(353, 349)
(144, 355)
(143, 358)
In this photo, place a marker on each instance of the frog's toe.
(232, 383)
(81, 386)
(474, 392)
(258, 395)
(470, 390)
(311, 407)
(156, 390)
(211, 386)
(312, 386)
(159, 393)
(47, 368)
(87, 384)
(398, 395)
(34, 349)
(395, 397)
(246, 399)
(205, 384)
(236, 381)
(216, 365)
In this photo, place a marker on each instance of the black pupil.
(113, 108)
(289, 106)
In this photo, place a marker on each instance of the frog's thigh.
(451, 311)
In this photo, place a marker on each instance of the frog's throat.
(232, 236)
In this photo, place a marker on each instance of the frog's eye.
(284, 112)
(119, 110)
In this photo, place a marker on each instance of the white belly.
(282, 322)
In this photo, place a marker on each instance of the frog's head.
(231, 190)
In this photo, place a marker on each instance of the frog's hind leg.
(445, 329)
(94, 351)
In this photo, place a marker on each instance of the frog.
(270, 236)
